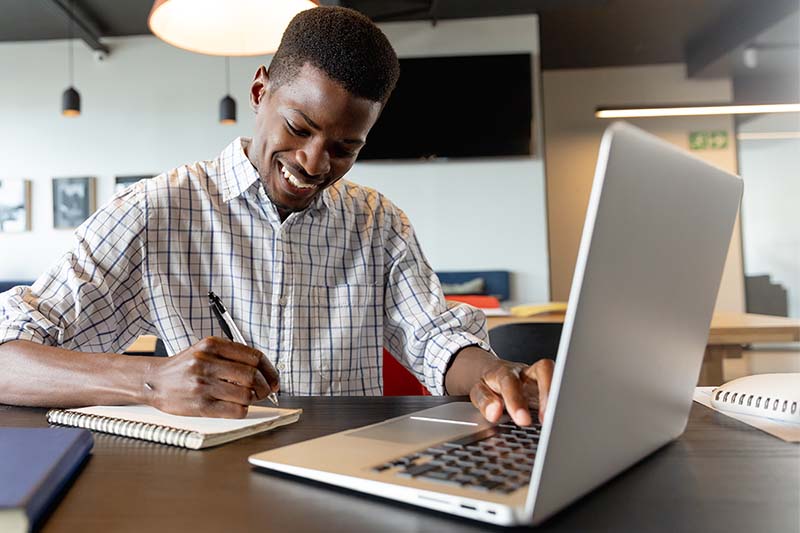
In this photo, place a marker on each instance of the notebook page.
(207, 426)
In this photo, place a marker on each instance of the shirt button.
(281, 367)
(282, 300)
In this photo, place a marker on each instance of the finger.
(506, 381)
(238, 373)
(223, 409)
(244, 375)
(269, 373)
(543, 373)
(488, 403)
(229, 392)
(230, 350)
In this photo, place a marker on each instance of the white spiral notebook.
(148, 423)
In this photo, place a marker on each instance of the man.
(318, 273)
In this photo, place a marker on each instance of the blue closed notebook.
(36, 465)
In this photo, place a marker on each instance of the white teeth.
(294, 181)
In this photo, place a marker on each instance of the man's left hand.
(515, 387)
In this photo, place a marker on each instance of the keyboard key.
(435, 451)
(416, 470)
(486, 484)
(439, 477)
(463, 479)
(381, 468)
(437, 474)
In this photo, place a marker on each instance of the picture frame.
(15, 205)
(123, 182)
(73, 201)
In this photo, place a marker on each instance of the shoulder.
(362, 202)
(180, 183)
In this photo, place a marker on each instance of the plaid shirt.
(320, 294)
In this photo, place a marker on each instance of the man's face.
(307, 136)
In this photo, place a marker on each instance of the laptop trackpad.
(410, 431)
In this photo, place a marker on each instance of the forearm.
(469, 366)
(45, 376)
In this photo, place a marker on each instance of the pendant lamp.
(227, 106)
(224, 27)
(70, 99)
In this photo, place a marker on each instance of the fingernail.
(493, 411)
(521, 414)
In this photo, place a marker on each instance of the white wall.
(150, 107)
(771, 212)
(573, 135)
(479, 214)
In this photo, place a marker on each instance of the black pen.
(229, 328)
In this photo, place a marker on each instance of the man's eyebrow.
(314, 125)
(306, 118)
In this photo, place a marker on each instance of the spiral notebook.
(148, 423)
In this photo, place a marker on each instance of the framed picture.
(123, 182)
(15, 205)
(73, 201)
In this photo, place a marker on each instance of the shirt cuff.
(23, 332)
(444, 354)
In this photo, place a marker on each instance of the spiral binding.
(125, 428)
(776, 402)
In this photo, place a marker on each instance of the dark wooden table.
(721, 476)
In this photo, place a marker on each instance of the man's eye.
(295, 131)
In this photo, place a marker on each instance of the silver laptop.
(654, 243)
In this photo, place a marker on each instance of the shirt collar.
(239, 174)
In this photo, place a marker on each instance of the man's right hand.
(214, 378)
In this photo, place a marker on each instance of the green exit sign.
(708, 140)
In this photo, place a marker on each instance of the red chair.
(397, 381)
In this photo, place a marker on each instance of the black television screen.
(475, 106)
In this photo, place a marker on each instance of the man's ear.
(259, 88)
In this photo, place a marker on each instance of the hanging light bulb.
(71, 99)
(224, 27)
(227, 106)
(750, 56)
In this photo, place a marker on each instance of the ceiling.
(709, 35)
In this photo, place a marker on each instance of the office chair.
(526, 342)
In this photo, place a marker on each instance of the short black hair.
(345, 45)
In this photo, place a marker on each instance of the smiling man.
(320, 274)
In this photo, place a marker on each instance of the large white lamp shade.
(224, 27)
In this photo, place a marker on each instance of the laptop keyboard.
(498, 459)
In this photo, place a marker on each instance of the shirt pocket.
(337, 332)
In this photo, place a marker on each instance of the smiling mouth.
(294, 181)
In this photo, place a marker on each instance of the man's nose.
(314, 158)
